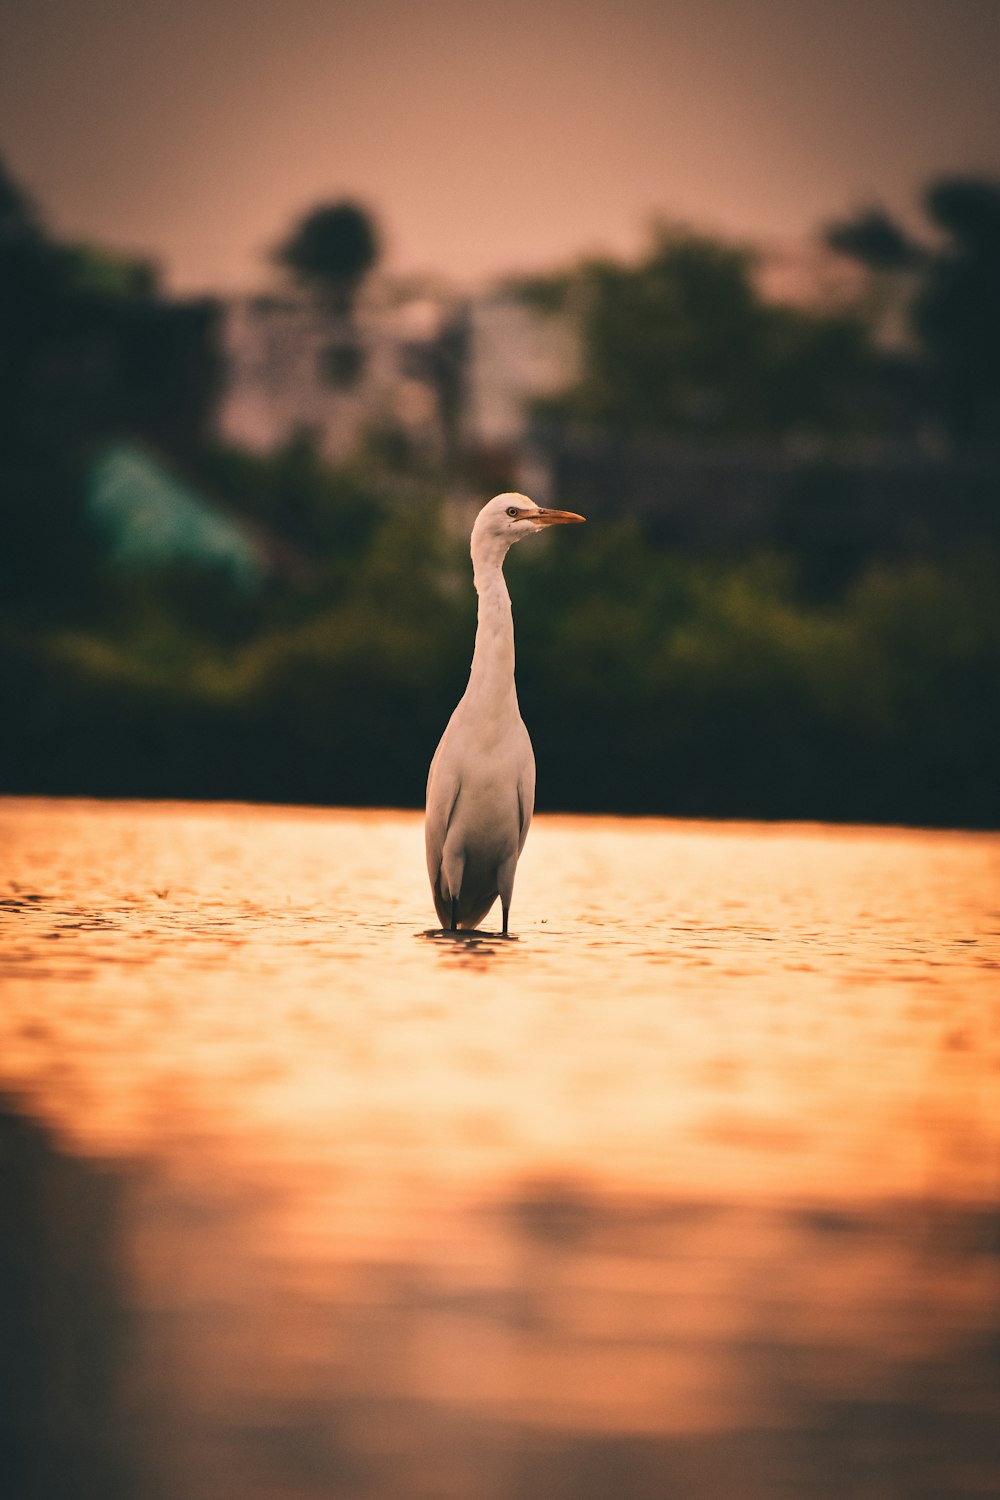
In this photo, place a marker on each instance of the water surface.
(691, 1189)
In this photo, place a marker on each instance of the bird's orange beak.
(545, 517)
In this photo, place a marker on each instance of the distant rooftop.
(150, 517)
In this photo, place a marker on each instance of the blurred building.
(444, 374)
(292, 365)
(516, 355)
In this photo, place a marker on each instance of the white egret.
(481, 785)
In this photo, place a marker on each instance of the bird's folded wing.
(443, 787)
(525, 802)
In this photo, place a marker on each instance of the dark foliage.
(682, 343)
(88, 353)
(331, 250)
(954, 309)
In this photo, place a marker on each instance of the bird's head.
(509, 517)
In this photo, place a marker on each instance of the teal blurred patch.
(151, 518)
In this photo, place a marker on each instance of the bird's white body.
(481, 786)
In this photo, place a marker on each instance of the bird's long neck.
(493, 659)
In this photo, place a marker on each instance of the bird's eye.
(513, 512)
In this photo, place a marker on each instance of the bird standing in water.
(481, 786)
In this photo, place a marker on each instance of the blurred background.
(286, 293)
(694, 1190)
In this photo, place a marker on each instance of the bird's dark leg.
(454, 913)
(505, 888)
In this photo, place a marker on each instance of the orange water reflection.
(692, 1189)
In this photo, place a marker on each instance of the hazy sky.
(486, 136)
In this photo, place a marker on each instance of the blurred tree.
(331, 251)
(88, 352)
(954, 309)
(682, 342)
(19, 222)
(329, 514)
(876, 241)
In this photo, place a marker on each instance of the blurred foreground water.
(690, 1191)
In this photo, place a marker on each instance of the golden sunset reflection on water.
(692, 1188)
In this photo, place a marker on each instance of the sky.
(486, 137)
